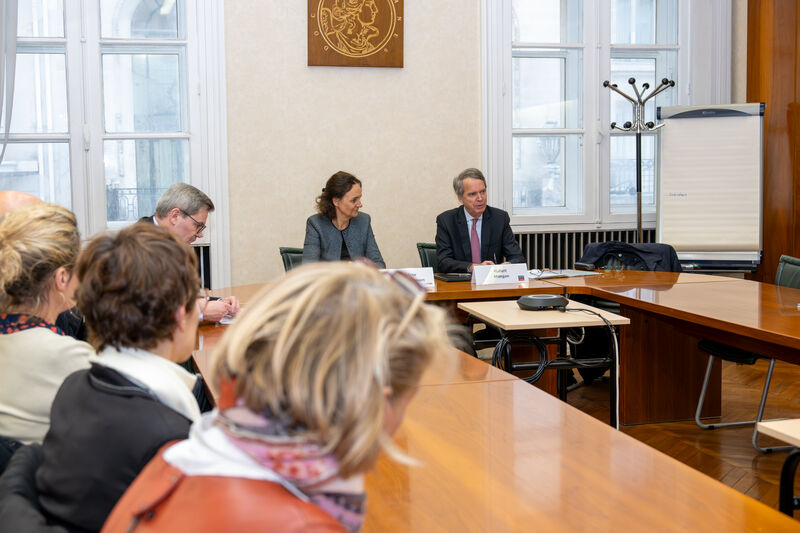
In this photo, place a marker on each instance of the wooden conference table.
(661, 368)
(499, 455)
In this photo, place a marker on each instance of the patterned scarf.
(13, 323)
(269, 440)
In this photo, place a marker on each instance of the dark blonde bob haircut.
(323, 345)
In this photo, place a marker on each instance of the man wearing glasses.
(184, 210)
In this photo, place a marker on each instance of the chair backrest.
(788, 274)
(427, 255)
(292, 257)
(19, 500)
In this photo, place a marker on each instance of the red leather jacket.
(164, 499)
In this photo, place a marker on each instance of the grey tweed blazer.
(324, 241)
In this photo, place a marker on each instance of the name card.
(498, 274)
(423, 276)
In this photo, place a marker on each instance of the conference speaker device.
(542, 302)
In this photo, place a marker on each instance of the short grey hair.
(185, 197)
(458, 181)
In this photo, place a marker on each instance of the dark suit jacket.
(147, 220)
(453, 250)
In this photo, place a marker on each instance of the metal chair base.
(788, 503)
(759, 417)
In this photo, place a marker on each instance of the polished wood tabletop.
(760, 311)
(504, 456)
(633, 278)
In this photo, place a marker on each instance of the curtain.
(8, 61)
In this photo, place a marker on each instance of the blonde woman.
(38, 248)
(313, 380)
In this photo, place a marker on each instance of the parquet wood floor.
(724, 454)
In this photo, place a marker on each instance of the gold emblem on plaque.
(355, 33)
(356, 28)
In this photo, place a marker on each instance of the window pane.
(644, 22)
(546, 21)
(547, 173)
(40, 169)
(40, 18)
(623, 173)
(645, 70)
(40, 94)
(140, 19)
(547, 89)
(138, 172)
(142, 93)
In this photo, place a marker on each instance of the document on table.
(535, 273)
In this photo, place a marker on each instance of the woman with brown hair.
(339, 232)
(138, 292)
(38, 248)
(313, 380)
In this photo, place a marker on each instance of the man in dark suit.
(474, 233)
(183, 210)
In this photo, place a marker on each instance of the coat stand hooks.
(638, 125)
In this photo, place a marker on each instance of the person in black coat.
(474, 233)
(138, 292)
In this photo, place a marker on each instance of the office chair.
(427, 255)
(20, 509)
(292, 257)
(788, 275)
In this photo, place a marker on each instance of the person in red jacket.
(311, 382)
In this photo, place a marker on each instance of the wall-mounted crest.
(355, 33)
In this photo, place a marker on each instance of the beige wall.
(403, 132)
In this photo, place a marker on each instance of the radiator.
(561, 250)
(203, 252)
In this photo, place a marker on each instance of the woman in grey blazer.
(339, 232)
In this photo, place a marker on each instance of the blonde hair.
(322, 345)
(35, 241)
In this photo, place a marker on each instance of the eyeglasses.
(200, 225)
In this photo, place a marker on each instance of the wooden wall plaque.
(355, 33)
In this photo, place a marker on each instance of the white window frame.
(205, 121)
(704, 72)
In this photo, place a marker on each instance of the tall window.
(142, 50)
(547, 116)
(37, 159)
(550, 156)
(109, 110)
(644, 46)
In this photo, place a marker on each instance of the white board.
(710, 200)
